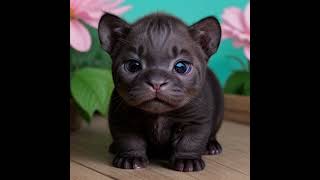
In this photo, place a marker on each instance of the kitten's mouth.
(157, 101)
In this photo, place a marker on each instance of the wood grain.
(237, 108)
(240, 103)
(79, 172)
(89, 148)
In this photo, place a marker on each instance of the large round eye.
(183, 67)
(133, 66)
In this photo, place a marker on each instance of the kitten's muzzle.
(157, 85)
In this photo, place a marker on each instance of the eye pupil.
(182, 67)
(133, 66)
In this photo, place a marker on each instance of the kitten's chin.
(156, 106)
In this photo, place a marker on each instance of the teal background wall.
(191, 11)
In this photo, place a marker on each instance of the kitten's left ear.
(207, 32)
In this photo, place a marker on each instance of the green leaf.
(238, 83)
(91, 89)
(86, 116)
(247, 88)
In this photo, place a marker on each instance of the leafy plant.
(91, 82)
(91, 89)
(239, 81)
(90, 74)
(236, 25)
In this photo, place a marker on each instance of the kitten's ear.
(110, 29)
(207, 32)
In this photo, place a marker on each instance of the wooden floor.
(89, 158)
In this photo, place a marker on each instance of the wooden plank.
(237, 116)
(235, 136)
(155, 170)
(234, 159)
(235, 142)
(78, 172)
(240, 103)
(237, 108)
(89, 147)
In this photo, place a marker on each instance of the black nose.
(156, 84)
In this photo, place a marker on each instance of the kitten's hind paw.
(213, 148)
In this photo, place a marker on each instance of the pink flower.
(236, 25)
(89, 12)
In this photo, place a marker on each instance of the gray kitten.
(166, 103)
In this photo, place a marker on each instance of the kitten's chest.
(159, 130)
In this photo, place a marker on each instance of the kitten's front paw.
(130, 162)
(213, 148)
(188, 165)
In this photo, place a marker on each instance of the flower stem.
(244, 66)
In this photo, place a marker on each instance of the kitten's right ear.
(110, 29)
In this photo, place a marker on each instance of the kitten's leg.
(129, 145)
(130, 150)
(188, 146)
(213, 146)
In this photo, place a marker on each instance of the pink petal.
(234, 18)
(77, 6)
(120, 10)
(80, 38)
(227, 31)
(74, 6)
(96, 14)
(247, 17)
(87, 3)
(243, 36)
(95, 7)
(226, 35)
(238, 43)
(114, 4)
(90, 11)
(92, 21)
(72, 3)
(88, 19)
(247, 52)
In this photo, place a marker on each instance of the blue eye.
(133, 66)
(182, 67)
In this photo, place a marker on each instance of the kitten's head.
(158, 62)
